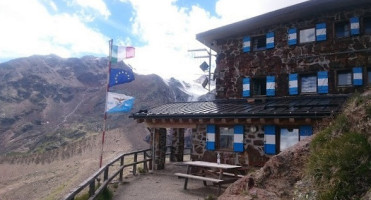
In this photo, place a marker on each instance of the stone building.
(277, 75)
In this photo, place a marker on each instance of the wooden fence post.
(145, 163)
(135, 165)
(105, 177)
(92, 188)
(122, 171)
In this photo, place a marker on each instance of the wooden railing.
(91, 181)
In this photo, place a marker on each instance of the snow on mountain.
(194, 89)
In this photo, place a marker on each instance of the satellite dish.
(204, 66)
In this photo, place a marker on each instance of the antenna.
(204, 66)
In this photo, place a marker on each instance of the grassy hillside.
(340, 156)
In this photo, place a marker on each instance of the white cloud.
(237, 10)
(97, 5)
(29, 29)
(169, 32)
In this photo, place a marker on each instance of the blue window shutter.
(305, 131)
(321, 32)
(270, 40)
(246, 87)
(354, 26)
(210, 137)
(293, 84)
(292, 36)
(270, 139)
(322, 82)
(357, 76)
(271, 86)
(246, 44)
(238, 138)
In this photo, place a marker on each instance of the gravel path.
(164, 185)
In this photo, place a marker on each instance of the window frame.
(253, 82)
(346, 71)
(300, 36)
(364, 30)
(300, 83)
(255, 40)
(347, 32)
(218, 138)
(280, 136)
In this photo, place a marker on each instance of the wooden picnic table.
(210, 169)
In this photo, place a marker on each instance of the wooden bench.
(202, 178)
(229, 174)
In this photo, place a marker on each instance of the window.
(309, 84)
(289, 137)
(226, 138)
(307, 35)
(344, 78)
(259, 43)
(259, 86)
(367, 25)
(342, 29)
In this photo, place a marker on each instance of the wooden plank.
(211, 165)
(202, 178)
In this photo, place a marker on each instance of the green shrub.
(340, 165)
(105, 195)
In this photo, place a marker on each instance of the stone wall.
(253, 148)
(331, 55)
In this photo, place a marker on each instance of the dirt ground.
(163, 185)
(54, 180)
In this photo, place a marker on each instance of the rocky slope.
(48, 101)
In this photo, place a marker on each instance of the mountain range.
(49, 101)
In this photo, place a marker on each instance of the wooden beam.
(190, 120)
(171, 125)
(171, 120)
(308, 120)
(236, 120)
(224, 120)
(248, 120)
(276, 120)
(212, 121)
(201, 121)
(292, 120)
(262, 120)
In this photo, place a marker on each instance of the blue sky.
(161, 30)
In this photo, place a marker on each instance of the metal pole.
(105, 108)
(209, 68)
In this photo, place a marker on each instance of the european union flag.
(120, 76)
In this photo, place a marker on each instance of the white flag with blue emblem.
(118, 103)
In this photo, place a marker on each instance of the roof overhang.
(276, 109)
(298, 11)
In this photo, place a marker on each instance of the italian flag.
(120, 53)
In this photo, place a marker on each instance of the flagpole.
(105, 109)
